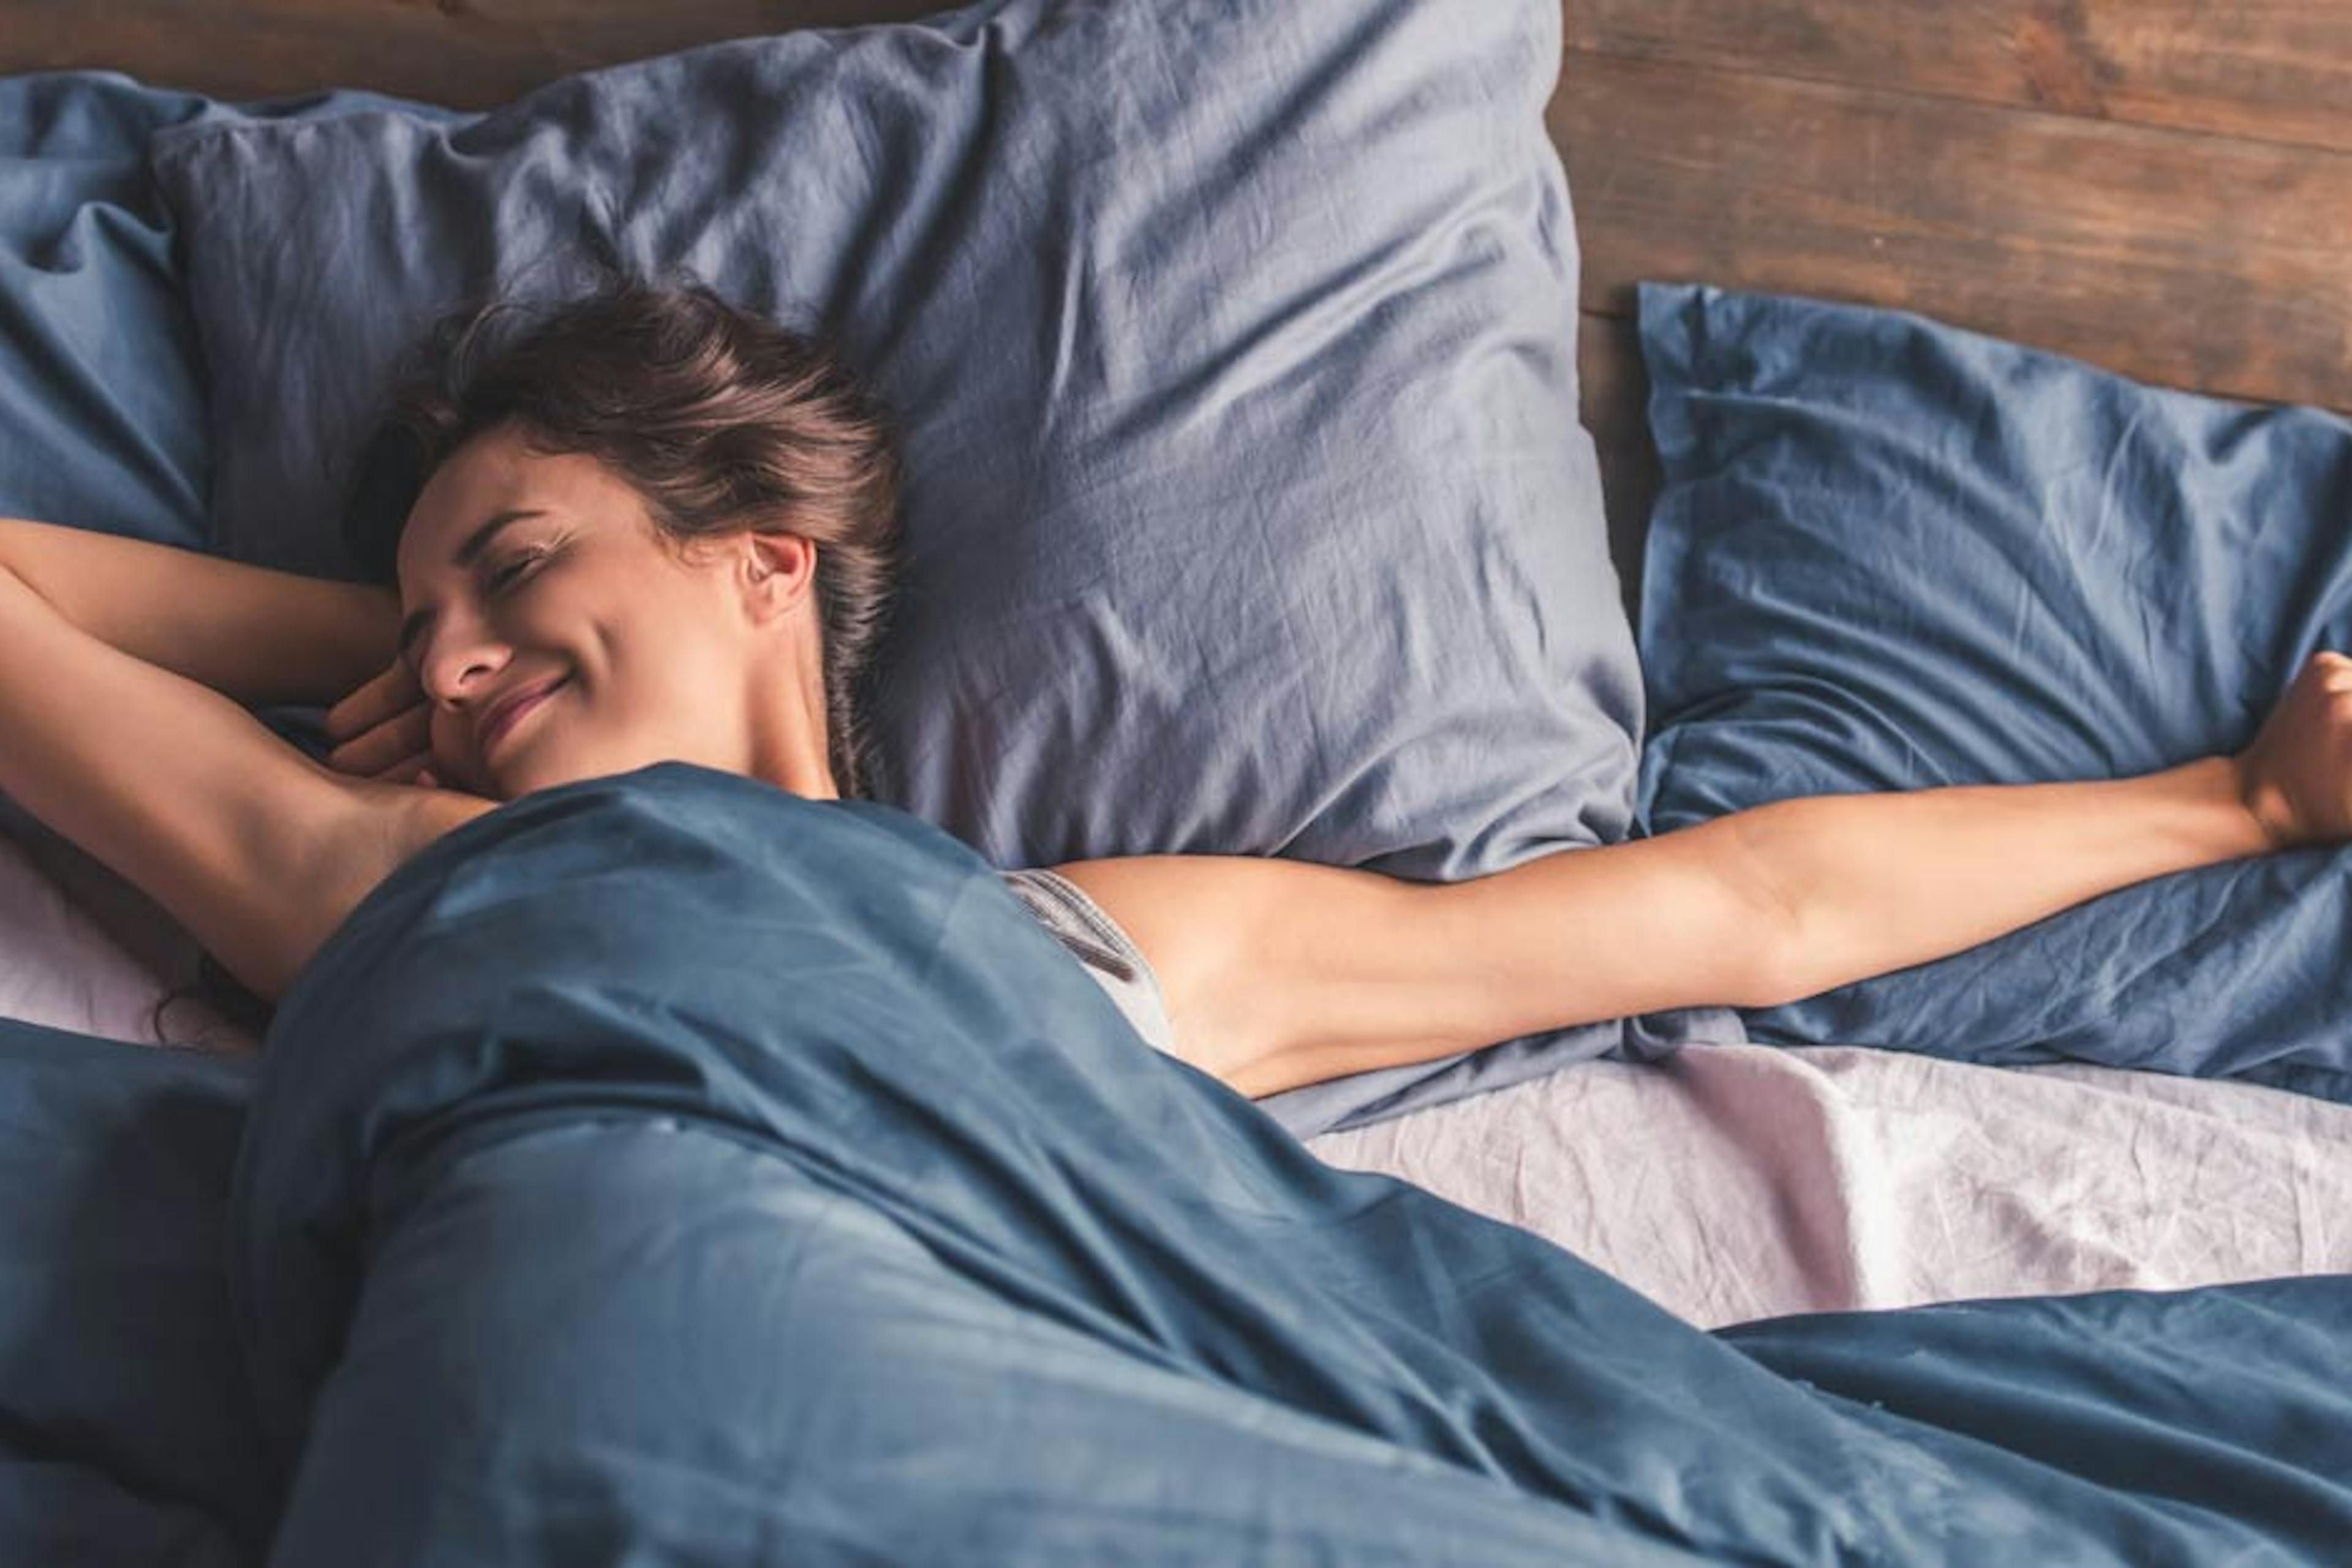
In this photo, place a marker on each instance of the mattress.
(1727, 1182)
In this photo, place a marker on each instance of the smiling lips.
(504, 717)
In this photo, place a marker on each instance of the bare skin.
(706, 654)
(1277, 972)
(1307, 989)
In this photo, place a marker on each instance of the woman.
(652, 527)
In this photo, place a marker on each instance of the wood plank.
(464, 54)
(2277, 70)
(2188, 261)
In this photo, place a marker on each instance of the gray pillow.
(1235, 351)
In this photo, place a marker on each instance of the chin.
(529, 777)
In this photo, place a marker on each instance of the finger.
(386, 744)
(372, 702)
(405, 770)
(357, 710)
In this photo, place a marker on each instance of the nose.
(459, 657)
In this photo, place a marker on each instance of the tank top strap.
(1110, 955)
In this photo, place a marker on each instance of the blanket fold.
(669, 1162)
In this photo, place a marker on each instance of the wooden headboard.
(2163, 187)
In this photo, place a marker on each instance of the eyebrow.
(416, 625)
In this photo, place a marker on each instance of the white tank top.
(1097, 940)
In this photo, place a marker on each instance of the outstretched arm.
(1280, 973)
(1873, 883)
(255, 635)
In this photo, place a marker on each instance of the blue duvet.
(666, 1168)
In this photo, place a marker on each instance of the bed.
(2157, 193)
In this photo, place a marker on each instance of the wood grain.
(2273, 70)
(463, 54)
(2186, 259)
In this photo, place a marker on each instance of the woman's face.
(519, 570)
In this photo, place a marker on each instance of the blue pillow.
(101, 399)
(1235, 351)
(1889, 555)
(101, 389)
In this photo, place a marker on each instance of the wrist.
(364, 630)
(2267, 805)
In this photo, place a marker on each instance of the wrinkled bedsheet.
(1740, 1181)
(668, 1162)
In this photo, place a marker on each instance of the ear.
(779, 572)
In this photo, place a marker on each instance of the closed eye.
(513, 569)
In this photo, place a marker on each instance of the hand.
(2296, 777)
(383, 730)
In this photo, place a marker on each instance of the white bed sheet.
(1731, 1182)
(1728, 1183)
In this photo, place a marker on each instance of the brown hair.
(722, 419)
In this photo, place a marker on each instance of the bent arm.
(253, 635)
(253, 847)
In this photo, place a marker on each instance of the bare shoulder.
(1282, 973)
(1216, 930)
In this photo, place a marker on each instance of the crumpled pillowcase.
(101, 401)
(1234, 349)
(1890, 554)
(101, 388)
